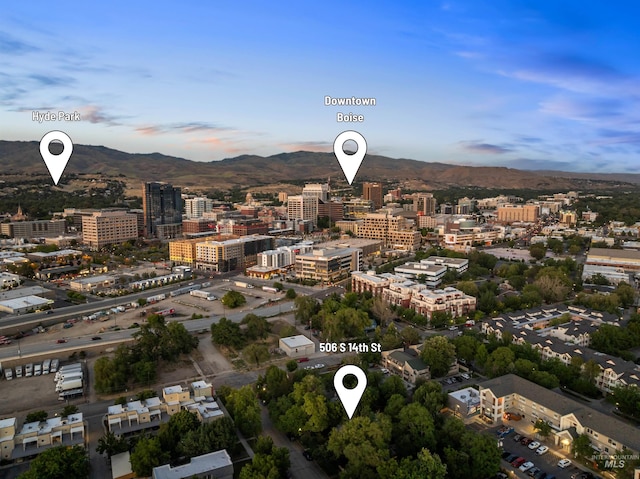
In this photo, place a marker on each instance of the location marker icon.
(56, 163)
(350, 163)
(350, 398)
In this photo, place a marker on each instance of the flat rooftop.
(297, 341)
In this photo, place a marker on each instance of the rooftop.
(198, 465)
(297, 341)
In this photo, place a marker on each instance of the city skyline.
(507, 84)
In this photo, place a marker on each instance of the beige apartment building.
(567, 417)
(394, 231)
(328, 264)
(518, 213)
(447, 300)
(183, 251)
(102, 228)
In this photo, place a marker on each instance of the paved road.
(116, 337)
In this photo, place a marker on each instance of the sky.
(525, 84)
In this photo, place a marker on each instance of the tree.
(207, 437)
(382, 311)
(146, 455)
(257, 326)
(233, 299)
(466, 347)
(414, 430)
(438, 353)
(410, 335)
(243, 405)
(269, 461)
(291, 294)
(227, 333)
(581, 446)
(627, 398)
(278, 286)
(363, 442)
(69, 409)
(36, 416)
(543, 428)
(306, 308)
(256, 354)
(292, 365)
(484, 454)
(500, 362)
(112, 444)
(62, 462)
(538, 251)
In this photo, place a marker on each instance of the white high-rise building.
(302, 207)
(196, 207)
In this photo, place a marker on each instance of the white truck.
(54, 365)
(69, 385)
(269, 289)
(156, 298)
(46, 366)
(8, 374)
(37, 369)
(198, 293)
(67, 371)
(242, 284)
(70, 375)
(18, 371)
(70, 394)
(28, 370)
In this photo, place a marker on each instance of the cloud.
(51, 80)
(13, 46)
(184, 127)
(484, 148)
(583, 109)
(95, 114)
(318, 146)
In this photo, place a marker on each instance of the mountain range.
(18, 157)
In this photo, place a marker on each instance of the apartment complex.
(567, 417)
(36, 437)
(407, 364)
(395, 232)
(373, 192)
(431, 270)
(102, 228)
(328, 264)
(518, 213)
(197, 207)
(162, 207)
(567, 341)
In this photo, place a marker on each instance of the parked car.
(96, 338)
(505, 454)
(303, 360)
(518, 462)
(533, 445)
(525, 441)
(465, 376)
(564, 463)
(533, 471)
(307, 455)
(540, 475)
(517, 437)
(511, 457)
(61, 341)
(541, 450)
(526, 466)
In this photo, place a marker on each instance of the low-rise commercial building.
(216, 464)
(24, 304)
(92, 283)
(297, 346)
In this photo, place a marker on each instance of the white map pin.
(350, 163)
(56, 163)
(350, 398)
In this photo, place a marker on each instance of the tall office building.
(162, 205)
(109, 227)
(373, 192)
(317, 190)
(424, 203)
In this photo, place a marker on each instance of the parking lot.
(547, 462)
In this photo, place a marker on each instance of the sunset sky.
(532, 85)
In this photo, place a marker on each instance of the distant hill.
(250, 170)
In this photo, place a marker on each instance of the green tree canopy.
(60, 462)
(439, 354)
